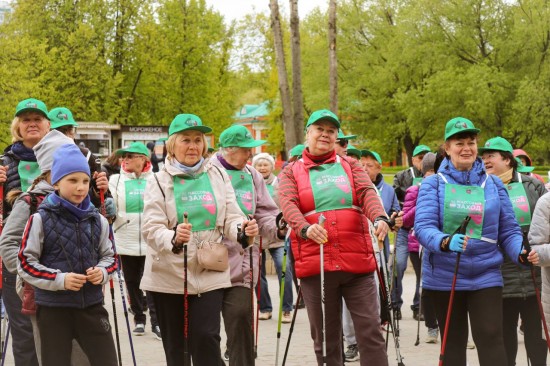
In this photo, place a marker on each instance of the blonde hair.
(171, 145)
(15, 135)
(13, 194)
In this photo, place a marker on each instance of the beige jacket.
(164, 270)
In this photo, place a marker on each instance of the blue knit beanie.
(66, 160)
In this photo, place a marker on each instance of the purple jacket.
(409, 210)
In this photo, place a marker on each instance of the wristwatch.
(303, 233)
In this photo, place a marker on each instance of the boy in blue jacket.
(67, 256)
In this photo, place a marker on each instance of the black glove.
(522, 258)
(242, 238)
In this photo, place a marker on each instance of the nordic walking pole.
(186, 360)
(527, 247)
(322, 220)
(281, 294)
(258, 294)
(298, 299)
(419, 301)
(460, 230)
(103, 211)
(5, 345)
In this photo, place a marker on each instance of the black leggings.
(484, 308)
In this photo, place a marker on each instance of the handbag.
(213, 256)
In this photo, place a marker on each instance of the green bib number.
(244, 190)
(28, 171)
(196, 197)
(461, 201)
(134, 189)
(519, 200)
(331, 187)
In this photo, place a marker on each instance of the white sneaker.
(433, 335)
(139, 330)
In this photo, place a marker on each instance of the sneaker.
(139, 330)
(286, 317)
(415, 315)
(265, 316)
(352, 353)
(156, 332)
(433, 335)
(470, 345)
(226, 355)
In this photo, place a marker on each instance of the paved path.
(149, 351)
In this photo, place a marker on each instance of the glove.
(242, 238)
(456, 243)
(522, 258)
(110, 208)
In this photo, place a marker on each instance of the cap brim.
(473, 130)
(526, 169)
(347, 137)
(254, 143)
(482, 150)
(203, 129)
(327, 118)
(423, 151)
(37, 110)
(54, 125)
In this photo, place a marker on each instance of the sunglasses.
(342, 142)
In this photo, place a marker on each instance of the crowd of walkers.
(188, 232)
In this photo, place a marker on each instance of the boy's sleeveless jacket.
(70, 245)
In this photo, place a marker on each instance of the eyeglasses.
(342, 142)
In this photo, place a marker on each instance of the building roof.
(252, 112)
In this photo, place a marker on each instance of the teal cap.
(497, 144)
(341, 136)
(373, 154)
(134, 148)
(323, 114)
(31, 105)
(238, 136)
(458, 125)
(421, 149)
(185, 122)
(352, 150)
(522, 168)
(61, 116)
(297, 150)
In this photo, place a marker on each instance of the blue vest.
(70, 245)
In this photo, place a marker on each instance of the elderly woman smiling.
(190, 184)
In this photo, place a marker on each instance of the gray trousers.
(237, 319)
(360, 293)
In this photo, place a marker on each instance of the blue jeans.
(402, 255)
(265, 300)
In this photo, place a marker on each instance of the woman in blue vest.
(519, 297)
(463, 188)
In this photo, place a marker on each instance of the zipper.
(121, 226)
(79, 241)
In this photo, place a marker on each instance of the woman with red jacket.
(340, 190)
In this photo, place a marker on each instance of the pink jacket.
(409, 210)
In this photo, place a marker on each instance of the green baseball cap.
(421, 149)
(185, 122)
(459, 125)
(61, 116)
(352, 150)
(522, 168)
(341, 136)
(238, 136)
(134, 148)
(31, 105)
(373, 154)
(498, 144)
(323, 114)
(297, 150)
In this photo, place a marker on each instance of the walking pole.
(460, 230)
(298, 299)
(120, 280)
(258, 294)
(103, 211)
(281, 295)
(419, 301)
(250, 253)
(527, 247)
(322, 265)
(186, 360)
(5, 345)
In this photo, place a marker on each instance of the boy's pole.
(111, 284)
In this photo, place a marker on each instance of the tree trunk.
(290, 132)
(297, 97)
(332, 60)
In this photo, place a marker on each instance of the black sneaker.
(156, 332)
(416, 314)
(139, 330)
(352, 353)
(226, 355)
